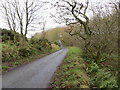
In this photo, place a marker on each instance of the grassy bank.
(76, 72)
(71, 73)
(18, 50)
(14, 55)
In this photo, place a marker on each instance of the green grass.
(16, 63)
(71, 73)
(0, 46)
(4, 67)
(74, 51)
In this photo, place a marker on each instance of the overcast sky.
(46, 13)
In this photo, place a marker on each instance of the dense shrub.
(12, 52)
(94, 67)
(104, 38)
(41, 44)
(104, 79)
(8, 35)
(56, 43)
(27, 50)
(9, 52)
(24, 52)
(55, 47)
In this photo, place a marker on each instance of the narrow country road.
(36, 74)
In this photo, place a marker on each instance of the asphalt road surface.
(36, 74)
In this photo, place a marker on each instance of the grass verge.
(71, 74)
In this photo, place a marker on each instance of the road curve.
(36, 74)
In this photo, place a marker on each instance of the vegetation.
(55, 47)
(75, 72)
(92, 60)
(16, 52)
(21, 15)
(71, 73)
(10, 35)
(99, 41)
(53, 35)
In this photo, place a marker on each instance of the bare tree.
(97, 34)
(10, 15)
(21, 15)
(73, 12)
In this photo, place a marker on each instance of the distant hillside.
(53, 35)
